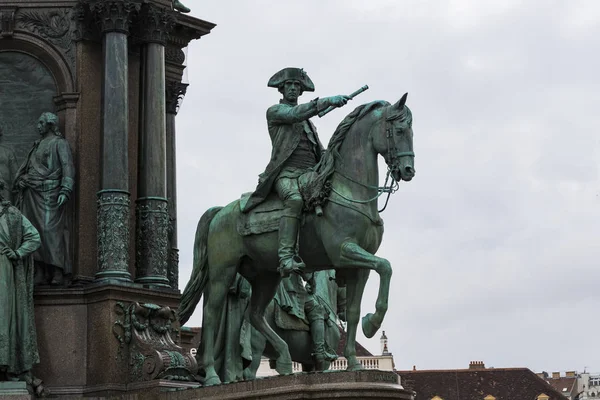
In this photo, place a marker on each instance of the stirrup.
(293, 264)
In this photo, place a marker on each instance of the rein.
(392, 160)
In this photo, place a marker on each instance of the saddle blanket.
(263, 218)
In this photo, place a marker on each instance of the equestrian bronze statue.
(258, 234)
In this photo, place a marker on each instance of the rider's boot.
(289, 261)
(321, 355)
(177, 5)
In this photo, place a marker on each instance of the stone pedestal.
(99, 339)
(371, 384)
(14, 391)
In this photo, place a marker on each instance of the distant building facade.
(574, 385)
(478, 383)
(383, 362)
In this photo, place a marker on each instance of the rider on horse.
(296, 149)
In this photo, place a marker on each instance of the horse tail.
(195, 287)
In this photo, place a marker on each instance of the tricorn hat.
(290, 73)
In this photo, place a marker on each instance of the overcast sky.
(495, 243)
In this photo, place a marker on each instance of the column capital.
(155, 24)
(174, 93)
(114, 15)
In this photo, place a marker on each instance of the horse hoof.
(355, 367)
(284, 368)
(369, 328)
(212, 381)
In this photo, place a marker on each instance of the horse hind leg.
(215, 297)
(263, 291)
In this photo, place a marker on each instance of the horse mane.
(313, 189)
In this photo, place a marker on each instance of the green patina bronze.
(178, 6)
(18, 342)
(306, 318)
(44, 184)
(345, 182)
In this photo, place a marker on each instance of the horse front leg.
(355, 286)
(354, 256)
(263, 291)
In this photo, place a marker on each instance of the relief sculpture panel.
(26, 91)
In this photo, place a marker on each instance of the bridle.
(392, 159)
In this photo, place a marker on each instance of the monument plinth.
(112, 73)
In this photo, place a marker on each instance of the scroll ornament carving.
(174, 93)
(174, 55)
(113, 230)
(7, 21)
(54, 26)
(145, 333)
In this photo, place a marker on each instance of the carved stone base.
(113, 235)
(144, 333)
(79, 351)
(152, 241)
(370, 384)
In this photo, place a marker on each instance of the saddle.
(261, 219)
(265, 217)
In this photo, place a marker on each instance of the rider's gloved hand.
(338, 101)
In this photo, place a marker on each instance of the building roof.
(476, 384)
(567, 385)
(360, 350)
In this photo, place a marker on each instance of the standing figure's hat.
(291, 73)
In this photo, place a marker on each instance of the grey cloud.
(494, 243)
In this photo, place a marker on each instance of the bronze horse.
(344, 238)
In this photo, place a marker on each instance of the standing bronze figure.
(18, 341)
(44, 183)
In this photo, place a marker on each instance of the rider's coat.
(286, 122)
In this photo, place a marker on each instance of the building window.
(436, 398)
(489, 397)
(543, 396)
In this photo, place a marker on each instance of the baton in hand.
(353, 95)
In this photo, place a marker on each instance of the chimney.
(555, 375)
(571, 374)
(543, 375)
(476, 365)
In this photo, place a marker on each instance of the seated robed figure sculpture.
(296, 149)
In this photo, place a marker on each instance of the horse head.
(392, 137)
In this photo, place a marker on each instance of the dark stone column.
(174, 93)
(114, 19)
(152, 217)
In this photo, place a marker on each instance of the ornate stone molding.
(7, 21)
(114, 15)
(113, 235)
(145, 334)
(52, 25)
(152, 243)
(174, 93)
(174, 55)
(154, 24)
